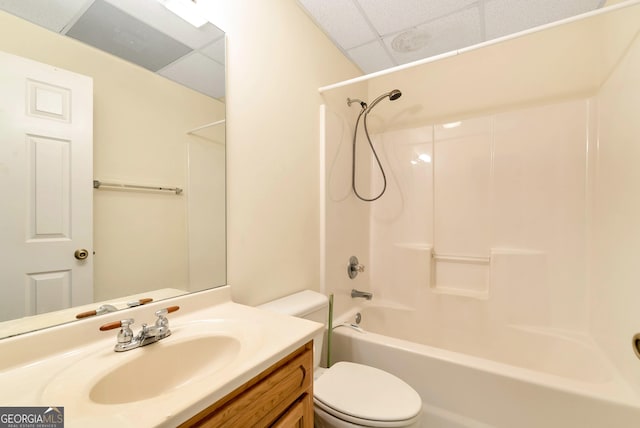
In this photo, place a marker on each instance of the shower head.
(393, 95)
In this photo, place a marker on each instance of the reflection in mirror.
(156, 88)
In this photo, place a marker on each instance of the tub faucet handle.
(354, 267)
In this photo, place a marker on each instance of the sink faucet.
(356, 293)
(147, 335)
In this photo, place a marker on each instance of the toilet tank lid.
(297, 304)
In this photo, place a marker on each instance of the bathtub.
(490, 376)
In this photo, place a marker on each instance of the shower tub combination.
(512, 377)
(496, 221)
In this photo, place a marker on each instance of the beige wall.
(277, 59)
(140, 136)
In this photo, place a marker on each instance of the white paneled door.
(46, 167)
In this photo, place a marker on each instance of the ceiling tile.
(391, 16)
(199, 73)
(504, 17)
(51, 14)
(371, 57)
(446, 34)
(154, 14)
(111, 30)
(215, 50)
(341, 20)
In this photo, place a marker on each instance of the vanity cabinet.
(281, 396)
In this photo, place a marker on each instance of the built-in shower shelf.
(451, 291)
(466, 275)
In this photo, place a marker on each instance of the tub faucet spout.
(356, 293)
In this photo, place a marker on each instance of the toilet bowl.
(349, 395)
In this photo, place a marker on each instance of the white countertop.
(58, 366)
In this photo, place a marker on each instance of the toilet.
(349, 395)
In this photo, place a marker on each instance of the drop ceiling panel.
(504, 17)
(199, 73)
(159, 17)
(51, 14)
(371, 57)
(390, 16)
(108, 28)
(449, 24)
(342, 20)
(215, 50)
(454, 31)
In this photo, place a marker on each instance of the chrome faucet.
(354, 267)
(147, 335)
(356, 293)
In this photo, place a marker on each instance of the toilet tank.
(306, 304)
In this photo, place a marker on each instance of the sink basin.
(193, 358)
(162, 367)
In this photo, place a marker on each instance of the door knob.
(81, 254)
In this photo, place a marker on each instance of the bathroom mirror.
(158, 121)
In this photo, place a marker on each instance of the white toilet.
(350, 395)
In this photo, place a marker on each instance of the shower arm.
(356, 100)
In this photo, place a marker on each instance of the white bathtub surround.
(506, 243)
(500, 211)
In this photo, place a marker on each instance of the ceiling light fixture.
(187, 10)
(411, 40)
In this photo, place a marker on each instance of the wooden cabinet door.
(281, 396)
(299, 415)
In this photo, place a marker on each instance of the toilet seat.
(366, 396)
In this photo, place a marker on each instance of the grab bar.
(98, 184)
(461, 258)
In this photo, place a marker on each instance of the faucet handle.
(162, 321)
(103, 309)
(354, 267)
(117, 324)
(139, 302)
(125, 335)
(165, 311)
